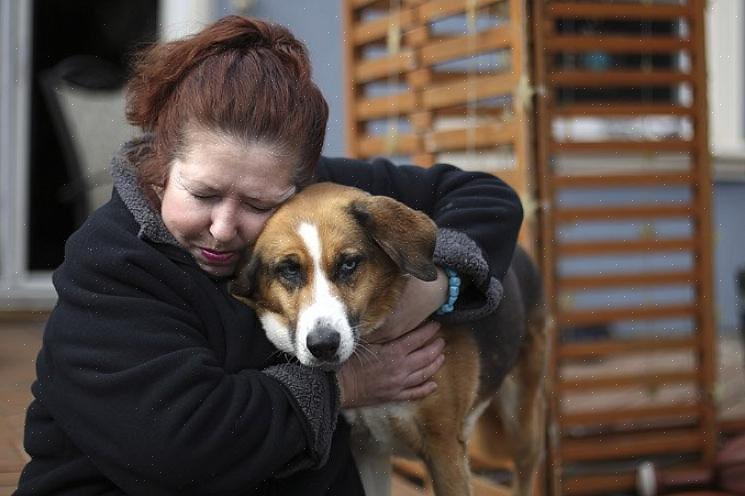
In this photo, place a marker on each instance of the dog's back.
(501, 335)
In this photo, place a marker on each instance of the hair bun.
(245, 33)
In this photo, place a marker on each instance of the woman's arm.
(130, 375)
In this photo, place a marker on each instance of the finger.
(425, 373)
(416, 338)
(422, 356)
(417, 392)
(382, 335)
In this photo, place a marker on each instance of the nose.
(224, 225)
(323, 342)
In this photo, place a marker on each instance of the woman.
(152, 380)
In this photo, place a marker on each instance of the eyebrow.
(281, 198)
(196, 183)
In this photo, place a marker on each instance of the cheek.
(182, 217)
(251, 224)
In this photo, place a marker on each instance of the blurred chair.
(85, 97)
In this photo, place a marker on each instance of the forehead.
(309, 229)
(224, 163)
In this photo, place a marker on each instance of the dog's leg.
(522, 404)
(438, 430)
(447, 461)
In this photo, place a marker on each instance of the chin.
(223, 271)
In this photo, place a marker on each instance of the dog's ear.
(244, 285)
(405, 235)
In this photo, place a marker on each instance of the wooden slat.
(351, 88)
(358, 4)
(382, 5)
(613, 78)
(617, 12)
(461, 91)
(424, 78)
(376, 69)
(626, 247)
(658, 179)
(378, 29)
(491, 135)
(621, 314)
(544, 171)
(688, 411)
(595, 349)
(705, 257)
(619, 109)
(381, 145)
(616, 44)
(385, 106)
(618, 446)
(437, 9)
(665, 145)
(462, 46)
(632, 280)
(626, 380)
(585, 485)
(622, 213)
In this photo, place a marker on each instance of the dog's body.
(329, 267)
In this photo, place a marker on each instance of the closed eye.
(259, 209)
(203, 196)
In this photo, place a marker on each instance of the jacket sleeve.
(478, 218)
(130, 377)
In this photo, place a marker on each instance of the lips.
(218, 257)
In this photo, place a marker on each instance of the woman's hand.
(397, 370)
(419, 300)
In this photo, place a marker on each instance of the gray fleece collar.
(129, 189)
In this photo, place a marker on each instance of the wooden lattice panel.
(624, 175)
(441, 81)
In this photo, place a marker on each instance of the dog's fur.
(328, 268)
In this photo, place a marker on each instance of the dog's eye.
(290, 272)
(347, 267)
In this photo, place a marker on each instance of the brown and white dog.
(328, 268)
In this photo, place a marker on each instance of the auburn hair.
(244, 77)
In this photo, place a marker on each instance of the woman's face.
(219, 195)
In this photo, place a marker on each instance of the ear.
(245, 283)
(406, 235)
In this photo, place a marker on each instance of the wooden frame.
(544, 51)
(595, 438)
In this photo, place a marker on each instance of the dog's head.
(328, 268)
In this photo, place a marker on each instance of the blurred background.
(621, 124)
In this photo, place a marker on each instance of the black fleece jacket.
(152, 380)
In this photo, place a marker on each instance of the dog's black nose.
(323, 342)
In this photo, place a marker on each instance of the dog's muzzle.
(323, 343)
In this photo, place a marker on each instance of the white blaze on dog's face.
(328, 268)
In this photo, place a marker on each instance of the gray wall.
(318, 24)
(729, 250)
